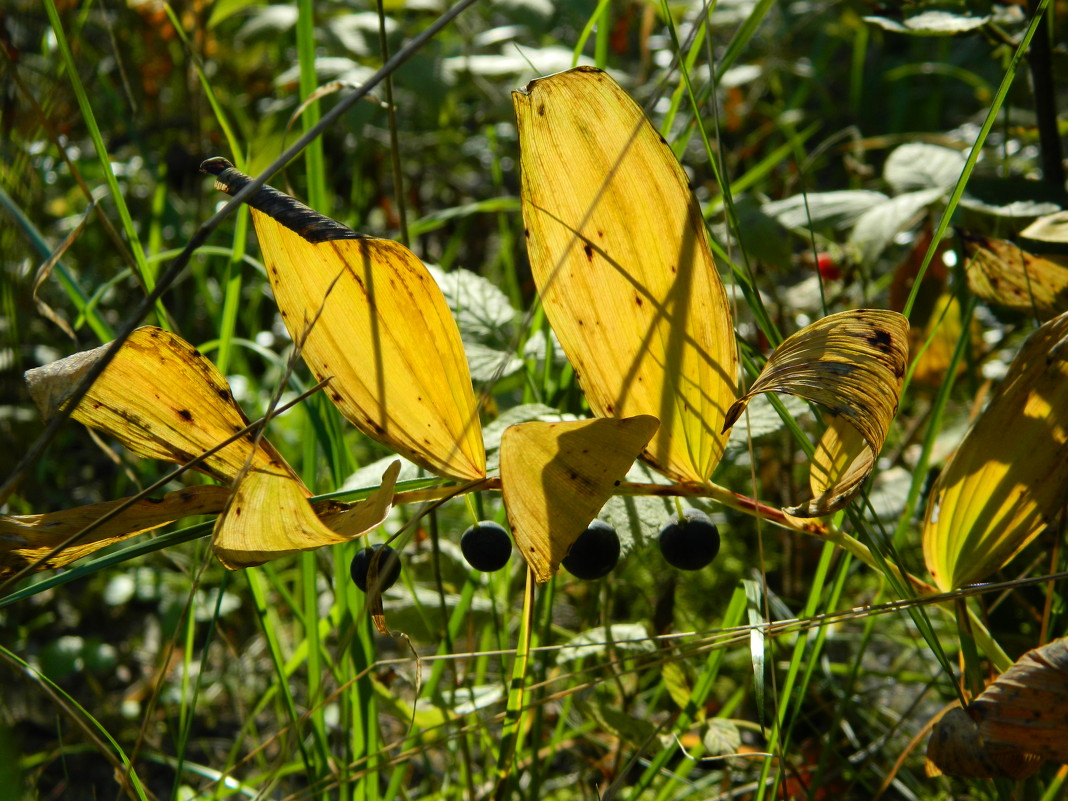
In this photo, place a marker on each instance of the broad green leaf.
(24, 539)
(877, 227)
(555, 477)
(619, 252)
(1008, 480)
(368, 315)
(269, 516)
(1003, 273)
(852, 363)
(161, 399)
(919, 165)
(837, 209)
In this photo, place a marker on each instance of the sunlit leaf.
(957, 748)
(1008, 480)
(1003, 273)
(947, 326)
(556, 476)
(837, 209)
(368, 314)
(876, 228)
(919, 165)
(619, 252)
(161, 399)
(269, 516)
(1051, 228)
(853, 364)
(24, 539)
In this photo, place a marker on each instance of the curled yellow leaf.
(367, 313)
(26, 539)
(1008, 480)
(853, 364)
(555, 477)
(161, 398)
(269, 516)
(619, 252)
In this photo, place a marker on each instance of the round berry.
(594, 553)
(486, 546)
(689, 543)
(388, 565)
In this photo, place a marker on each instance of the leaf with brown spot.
(1001, 272)
(161, 398)
(367, 313)
(24, 539)
(555, 477)
(852, 363)
(619, 252)
(1008, 480)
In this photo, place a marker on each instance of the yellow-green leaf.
(1008, 480)
(368, 315)
(161, 399)
(1001, 272)
(269, 516)
(853, 364)
(25, 539)
(619, 252)
(555, 477)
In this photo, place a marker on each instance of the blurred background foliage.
(841, 127)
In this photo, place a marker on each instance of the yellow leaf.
(853, 364)
(269, 516)
(619, 252)
(24, 539)
(161, 399)
(555, 477)
(1008, 480)
(1001, 272)
(367, 313)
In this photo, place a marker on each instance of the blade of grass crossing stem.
(597, 18)
(754, 596)
(934, 424)
(271, 626)
(744, 34)
(313, 155)
(147, 276)
(309, 575)
(755, 299)
(187, 713)
(79, 716)
(803, 657)
(366, 745)
(702, 688)
(682, 138)
(974, 153)
(232, 281)
(513, 716)
(541, 631)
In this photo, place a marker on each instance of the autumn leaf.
(27, 539)
(1003, 273)
(853, 364)
(620, 255)
(1008, 480)
(368, 315)
(555, 477)
(161, 399)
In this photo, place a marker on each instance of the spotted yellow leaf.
(161, 399)
(853, 364)
(620, 255)
(27, 539)
(1008, 480)
(1001, 272)
(555, 477)
(368, 314)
